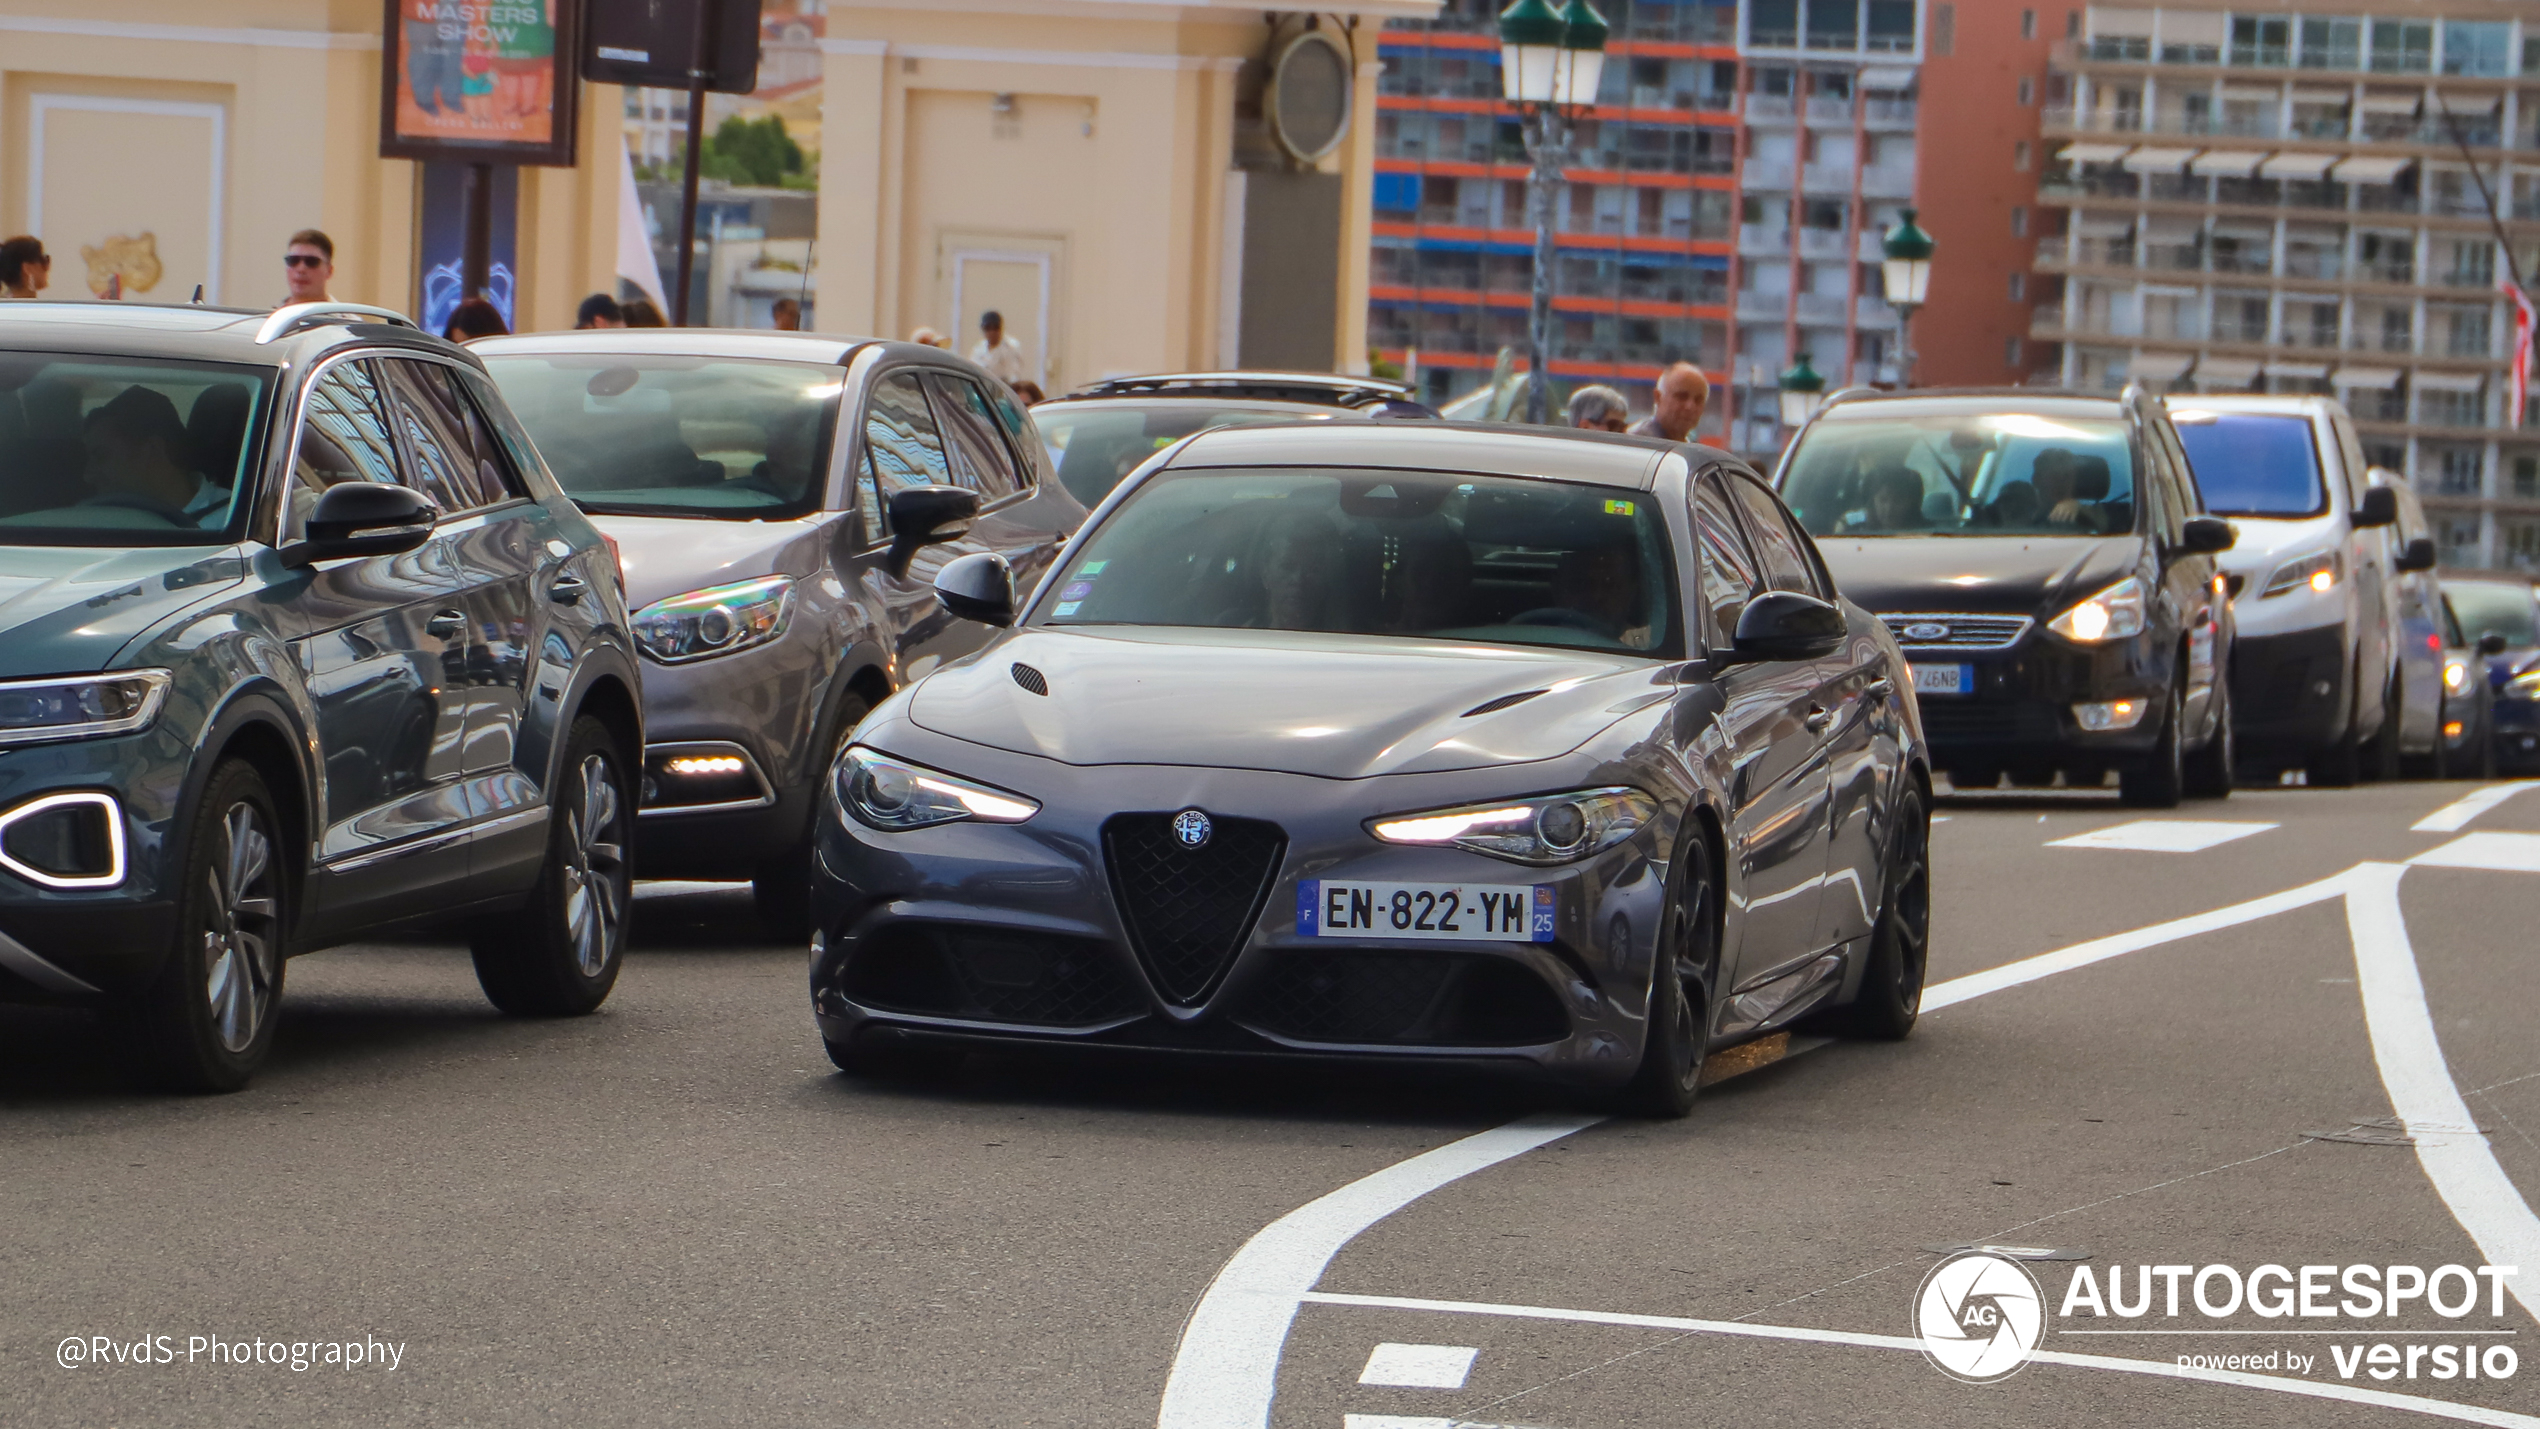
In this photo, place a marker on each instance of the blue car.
(298, 642)
(2507, 608)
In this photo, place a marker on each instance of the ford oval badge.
(1191, 828)
(1926, 630)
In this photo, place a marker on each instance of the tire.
(2158, 780)
(208, 1021)
(1891, 995)
(559, 956)
(2381, 752)
(2340, 765)
(2208, 772)
(1679, 1036)
(781, 888)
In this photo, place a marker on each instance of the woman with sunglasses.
(25, 269)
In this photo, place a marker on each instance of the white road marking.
(2158, 1369)
(1400, 1421)
(2452, 816)
(673, 888)
(2508, 853)
(2162, 835)
(1419, 1366)
(1227, 1367)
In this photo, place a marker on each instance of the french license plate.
(1470, 912)
(1944, 679)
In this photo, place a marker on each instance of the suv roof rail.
(290, 319)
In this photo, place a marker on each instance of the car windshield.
(1971, 473)
(662, 435)
(2494, 608)
(2253, 464)
(113, 451)
(1094, 444)
(1429, 555)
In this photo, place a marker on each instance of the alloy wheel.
(241, 956)
(1909, 914)
(594, 867)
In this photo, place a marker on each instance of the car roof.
(201, 333)
(1478, 448)
(1322, 388)
(829, 349)
(2477, 577)
(2304, 402)
(1167, 401)
(1953, 401)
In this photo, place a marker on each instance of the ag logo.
(1191, 828)
(1927, 630)
(1979, 1316)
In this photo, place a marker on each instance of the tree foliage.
(753, 152)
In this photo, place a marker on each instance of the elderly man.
(1682, 394)
(1598, 409)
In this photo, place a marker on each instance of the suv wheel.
(209, 1020)
(559, 957)
(2209, 769)
(2158, 779)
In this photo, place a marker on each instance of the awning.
(2172, 228)
(2375, 377)
(2251, 91)
(2391, 103)
(2093, 153)
(2103, 225)
(2451, 381)
(2314, 94)
(2295, 166)
(1887, 77)
(2245, 230)
(2158, 161)
(2368, 169)
(2227, 371)
(2227, 163)
(2313, 370)
(2127, 23)
(2158, 366)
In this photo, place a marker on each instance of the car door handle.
(568, 590)
(446, 624)
(1818, 718)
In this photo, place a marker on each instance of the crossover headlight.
(2525, 686)
(1547, 829)
(892, 794)
(2456, 675)
(715, 621)
(2112, 614)
(2320, 573)
(80, 706)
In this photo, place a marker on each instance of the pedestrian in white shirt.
(1000, 354)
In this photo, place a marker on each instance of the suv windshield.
(2494, 607)
(2253, 464)
(661, 435)
(1095, 444)
(1440, 557)
(1972, 473)
(115, 451)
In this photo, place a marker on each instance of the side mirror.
(363, 518)
(2417, 555)
(2491, 643)
(1785, 625)
(2208, 536)
(2380, 508)
(928, 516)
(978, 587)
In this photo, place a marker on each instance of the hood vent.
(1031, 679)
(1503, 702)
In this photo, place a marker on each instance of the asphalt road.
(675, 1213)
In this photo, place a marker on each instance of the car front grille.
(1957, 632)
(1188, 910)
(978, 976)
(1404, 999)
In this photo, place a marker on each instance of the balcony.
(1824, 309)
(1828, 179)
(1754, 240)
(2095, 252)
(1887, 181)
(1771, 109)
(2235, 330)
(1829, 111)
(1873, 313)
(1889, 113)
(1821, 244)
(1767, 174)
(1763, 307)
(2326, 264)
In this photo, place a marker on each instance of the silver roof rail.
(287, 320)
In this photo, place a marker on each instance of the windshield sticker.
(1067, 608)
(1618, 508)
(1077, 591)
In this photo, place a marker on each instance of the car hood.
(663, 556)
(1976, 575)
(2265, 542)
(1331, 706)
(69, 609)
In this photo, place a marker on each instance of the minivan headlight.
(2112, 614)
(80, 706)
(2319, 573)
(715, 621)
(1547, 829)
(892, 794)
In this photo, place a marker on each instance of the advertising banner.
(482, 81)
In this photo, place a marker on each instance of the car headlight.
(715, 621)
(80, 706)
(892, 794)
(2320, 573)
(2456, 675)
(2112, 614)
(2525, 686)
(1547, 829)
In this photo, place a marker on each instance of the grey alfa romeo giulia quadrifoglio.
(1452, 742)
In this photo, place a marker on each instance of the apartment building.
(2260, 199)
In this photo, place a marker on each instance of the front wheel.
(1679, 1034)
(2208, 770)
(559, 957)
(209, 1019)
(1891, 996)
(2158, 780)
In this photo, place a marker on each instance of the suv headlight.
(2455, 676)
(892, 794)
(2112, 614)
(715, 621)
(80, 706)
(2319, 572)
(1547, 829)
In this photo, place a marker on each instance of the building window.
(2476, 47)
(2028, 24)
(2019, 154)
(2402, 46)
(1944, 29)
(2072, 25)
(2019, 287)
(2028, 90)
(2019, 223)
(2527, 478)
(2010, 352)
(2522, 543)
(2258, 41)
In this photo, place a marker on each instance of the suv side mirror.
(2491, 643)
(978, 587)
(2380, 508)
(928, 516)
(2417, 555)
(1785, 625)
(2208, 535)
(363, 518)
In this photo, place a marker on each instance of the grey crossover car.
(1408, 742)
(779, 502)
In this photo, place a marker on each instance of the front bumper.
(73, 942)
(2019, 711)
(2517, 730)
(2290, 693)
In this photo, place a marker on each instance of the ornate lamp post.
(1907, 277)
(1550, 63)
(1802, 389)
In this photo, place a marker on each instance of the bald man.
(1682, 394)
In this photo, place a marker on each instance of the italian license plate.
(1470, 912)
(1944, 679)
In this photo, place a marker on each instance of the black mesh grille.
(991, 977)
(1189, 910)
(1414, 999)
(1948, 722)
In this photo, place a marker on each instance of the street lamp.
(1907, 277)
(1550, 63)
(1802, 390)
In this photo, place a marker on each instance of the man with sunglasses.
(308, 260)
